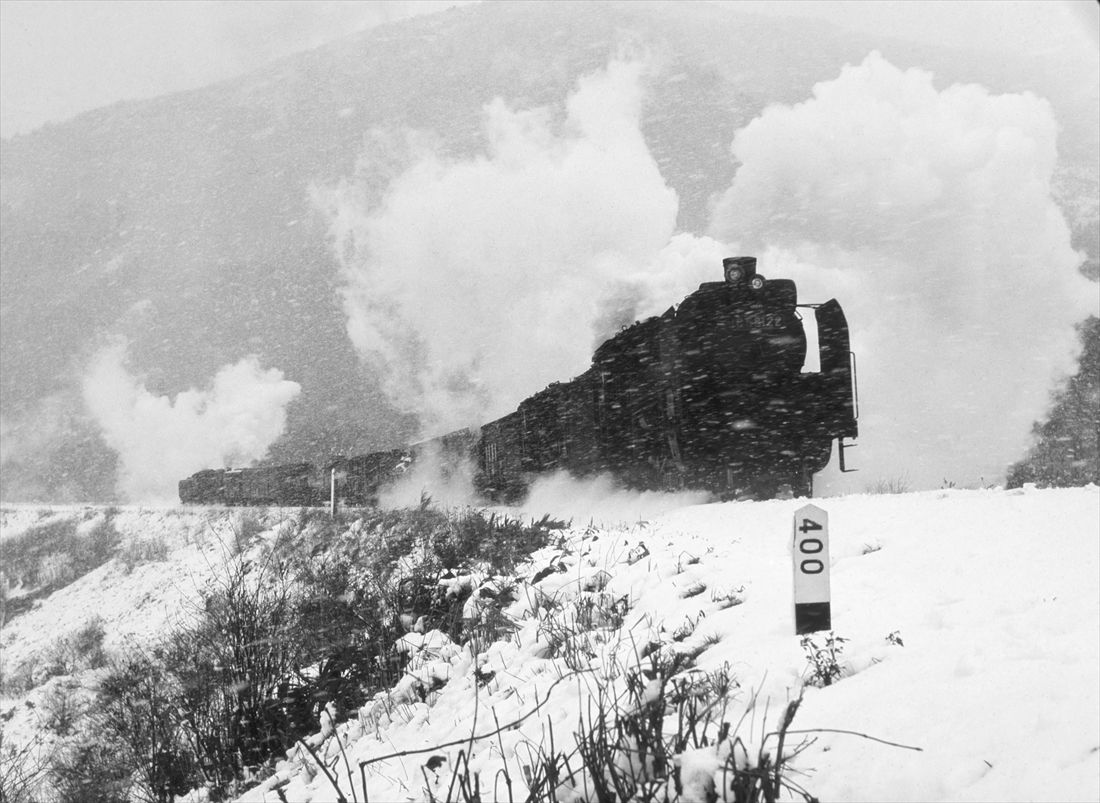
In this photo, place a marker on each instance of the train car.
(715, 394)
(205, 487)
(356, 481)
(296, 485)
(503, 467)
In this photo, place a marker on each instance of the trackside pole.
(332, 493)
(812, 610)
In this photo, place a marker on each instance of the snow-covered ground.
(136, 601)
(972, 621)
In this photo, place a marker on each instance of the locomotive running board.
(840, 447)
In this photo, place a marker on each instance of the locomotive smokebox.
(739, 270)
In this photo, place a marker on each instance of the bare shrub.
(823, 660)
(891, 485)
(639, 725)
(55, 551)
(91, 768)
(57, 569)
(577, 632)
(18, 678)
(86, 644)
(631, 742)
(728, 598)
(247, 524)
(137, 713)
(23, 768)
(234, 668)
(63, 705)
(137, 551)
(80, 649)
(500, 541)
(24, 553)
(97, 542)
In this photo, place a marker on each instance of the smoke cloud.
(473, 283)
(929, 215)
(160, 440)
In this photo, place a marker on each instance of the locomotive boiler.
(716, 394)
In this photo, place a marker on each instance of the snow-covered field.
(972, 621)
(134, 602)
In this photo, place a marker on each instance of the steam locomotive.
(712, 395)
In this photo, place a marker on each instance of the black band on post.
(809, 617)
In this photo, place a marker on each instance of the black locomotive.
(711, 395)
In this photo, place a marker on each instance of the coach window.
(491, 459)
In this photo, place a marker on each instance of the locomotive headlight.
(757, 283)
(738, 270)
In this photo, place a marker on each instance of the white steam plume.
(929, 215)
(476, 282)
(600, 500)
(160, 441)
(447, 480)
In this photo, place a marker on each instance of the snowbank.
(971, 619)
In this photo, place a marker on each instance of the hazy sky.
(59, 58)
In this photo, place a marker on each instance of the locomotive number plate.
(757, 320)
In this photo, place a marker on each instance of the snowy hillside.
(164, 556)
(970, 621)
